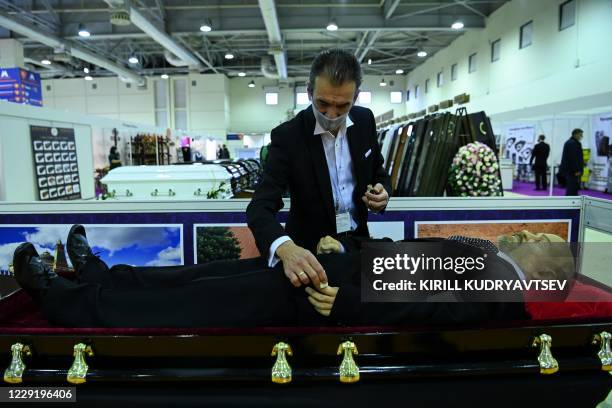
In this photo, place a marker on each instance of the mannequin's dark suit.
(239, 293)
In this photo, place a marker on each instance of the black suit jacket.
(296, 161)
(572, 160)
(540, 154)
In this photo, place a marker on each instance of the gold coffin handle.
(349, 370)
(604, 353)
(281, 370)
(78, 371)
(13, 374)
(548, 364)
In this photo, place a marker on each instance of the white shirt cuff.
(272, 258)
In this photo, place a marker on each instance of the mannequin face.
(332, 100)
(540, 256)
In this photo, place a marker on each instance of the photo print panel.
(129, 244)
(222, 242)
(490, 230)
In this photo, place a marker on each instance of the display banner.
(519, 143)
(602, 148)
(20, 86)
(55, 163)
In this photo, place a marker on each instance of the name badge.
(343, 222)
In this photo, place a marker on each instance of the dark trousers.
(572, 185)
(218, 294)
(540, 177)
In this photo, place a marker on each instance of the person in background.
(539, 154)
(226, 153)
(113, 158)
(572, 162)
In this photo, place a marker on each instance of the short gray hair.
(338, 65)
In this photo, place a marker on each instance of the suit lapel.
(353, 142)
(319, 164)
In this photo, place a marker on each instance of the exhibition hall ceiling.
(254, 37)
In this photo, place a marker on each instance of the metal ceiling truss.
(389, 32)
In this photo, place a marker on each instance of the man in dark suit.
(327, 157)
(572, 162)
(540, 154)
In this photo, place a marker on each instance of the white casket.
(180, 182)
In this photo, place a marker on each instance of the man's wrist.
(280, 251)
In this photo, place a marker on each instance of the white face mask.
(326, 123)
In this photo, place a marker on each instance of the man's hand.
(300, 265)
(377, 198)
(323, 299)
(329, 245)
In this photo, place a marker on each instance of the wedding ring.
(301, 273)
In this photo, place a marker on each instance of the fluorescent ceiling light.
(383, 83)
(164, 76)
(399, 71)
(242, 74)
(45, 62)
(252, 84)
(83, 32)
(86, 70)
(133, 60)
(88, 78)
(332, 26)
(229, 56)
(422, 54)
(457, 25)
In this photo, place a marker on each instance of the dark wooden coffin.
(491, 364)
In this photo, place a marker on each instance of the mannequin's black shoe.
(77, 247)
(32, 274)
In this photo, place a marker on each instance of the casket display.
(189, 182)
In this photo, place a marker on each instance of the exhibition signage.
(519, 143)
(602, 146)
(20, 86)
(55, 163)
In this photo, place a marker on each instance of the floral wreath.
(474, 172)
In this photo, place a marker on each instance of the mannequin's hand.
(329, 245)
(323, 299)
